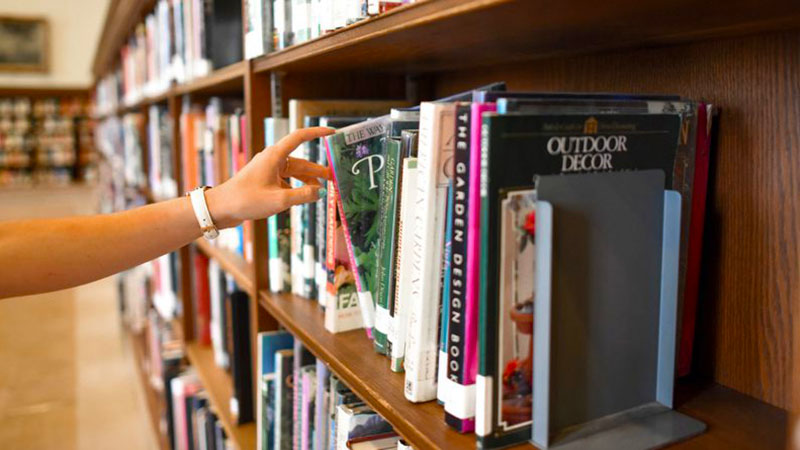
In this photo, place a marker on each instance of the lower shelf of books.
(218, 384)
(153, 398)
(733, 419)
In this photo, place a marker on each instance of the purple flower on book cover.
(362, 151)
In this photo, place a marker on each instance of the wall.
(75, 26)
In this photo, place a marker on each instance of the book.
(308, 398)
(321, 405)
(401, 119)
(269, 343)
(278, 225)
(515, 147)
(310, 224)
(284, 399)
(202, 299)
(298, 110)
(218, 291)
(241, 403)
(302, 358)
(403, 266)
(358, 420)
(387, 441)
(437, 126)
(254, 28)
(357, 156)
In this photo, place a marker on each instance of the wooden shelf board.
(448, 34)
(222, 81)
(153, 398)
(219, 386)
(733, 419)
(241, 270)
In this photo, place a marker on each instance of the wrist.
(220, 208)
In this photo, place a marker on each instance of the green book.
(387, 221)
(358, 160)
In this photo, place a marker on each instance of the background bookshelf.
(743, 57)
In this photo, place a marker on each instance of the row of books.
(222, 321)
(303, 405)
(178, 41)
(213, 149)
(273, 25)
(44, 141)
(429, 229)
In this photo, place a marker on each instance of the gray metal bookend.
(607, 249)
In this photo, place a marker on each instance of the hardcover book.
(308, 406)
(242, 400)
(278, 225)
(298, 110)
(515, 149)
(355, 421)
(436, 132)
(284, 399)
(321, 417)
(302, 358)
(269, 343)
(404, 264)
(357, 156)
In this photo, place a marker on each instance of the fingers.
(285, 146)
(297, 167)
(304, 194)
(309, 181)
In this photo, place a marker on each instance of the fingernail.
(322, 192)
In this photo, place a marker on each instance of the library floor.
(67, 374)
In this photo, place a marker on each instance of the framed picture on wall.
(24, 44)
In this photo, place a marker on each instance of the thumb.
(304, 194)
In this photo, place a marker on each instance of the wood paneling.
(751, 269)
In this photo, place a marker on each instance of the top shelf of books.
(436, 35)
(432, 35)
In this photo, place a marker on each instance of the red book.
(203, 297)
(695, 248)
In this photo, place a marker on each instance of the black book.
(311, 239)
(242, 402)
(171, 369)
(224, 41)
(515, 149)
(456, 310)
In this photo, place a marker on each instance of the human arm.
(48, 254)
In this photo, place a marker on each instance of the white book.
(279, 273)
(436, 132)
(399, 327)
(253, 30)
(216, 290)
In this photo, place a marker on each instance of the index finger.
(289, 143)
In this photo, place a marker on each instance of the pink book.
(473, 254)
(346, 233)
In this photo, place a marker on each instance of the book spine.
(460, 409)
(385, 253)
(484, 382)
(442, 390)
(320, 273)
(310, 233)
(321, 406)
(695, 244)
(284, 360)
(421, 346)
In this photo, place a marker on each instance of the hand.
(259, 189)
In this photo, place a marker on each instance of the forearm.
(50, 254)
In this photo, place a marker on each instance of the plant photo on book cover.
(517, 267)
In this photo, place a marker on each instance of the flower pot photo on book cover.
(517, 266)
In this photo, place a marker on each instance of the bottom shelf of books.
(153, 398)
(219, 387)
(733, 419)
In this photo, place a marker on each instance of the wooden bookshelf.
(743, 56)
(734, 420)
(219, 386)
(154, 399)
(230, 262)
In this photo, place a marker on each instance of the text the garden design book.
(356, 154)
